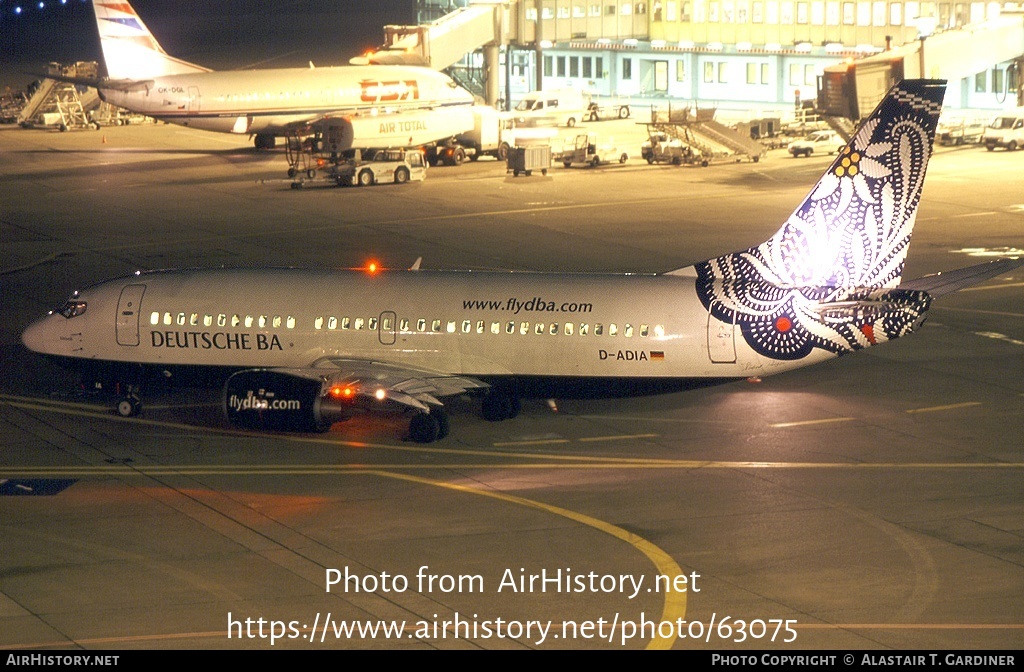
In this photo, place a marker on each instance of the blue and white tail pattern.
(843, 248)
(129, 50)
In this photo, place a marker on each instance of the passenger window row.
(221, 320)
(437, 326)
(406, 326)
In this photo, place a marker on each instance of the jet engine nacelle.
(263, 399)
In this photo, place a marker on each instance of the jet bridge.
(444, 42)
(852, 90)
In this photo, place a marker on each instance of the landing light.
(380, 394)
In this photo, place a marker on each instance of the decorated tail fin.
(129, 50)
(825, 279)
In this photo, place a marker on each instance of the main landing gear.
(500, 405)
(429, 427)
(264, 141)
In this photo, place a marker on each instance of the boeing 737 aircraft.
(301, 349)
(375, 106)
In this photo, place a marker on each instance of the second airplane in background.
(373, 106)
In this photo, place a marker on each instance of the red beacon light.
(343, 392)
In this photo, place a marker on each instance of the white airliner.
(376, 106)
(303, 348)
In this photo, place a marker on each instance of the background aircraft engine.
(338, 134)
(261, 399)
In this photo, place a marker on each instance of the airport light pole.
(925, 27)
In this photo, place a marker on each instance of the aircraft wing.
(361, 380)
(947, 282)
(311, 398)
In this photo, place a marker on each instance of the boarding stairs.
(698, 129)
(733, 140)
(60, 103)
(841, 125)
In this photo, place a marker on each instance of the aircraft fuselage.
(480, 324)
(270, 101)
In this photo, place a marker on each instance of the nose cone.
(38, 336)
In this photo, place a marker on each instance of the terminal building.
(733, 54)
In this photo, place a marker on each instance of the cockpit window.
(72, 309)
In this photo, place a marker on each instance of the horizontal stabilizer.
(948, 282)
(99, 82)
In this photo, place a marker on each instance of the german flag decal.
(657, 355)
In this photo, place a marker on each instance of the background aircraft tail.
(826, 278)
(129, 50)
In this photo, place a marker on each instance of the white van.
(558, 107)
(1006, 130)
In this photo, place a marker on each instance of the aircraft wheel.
(401, 175)
(424, 428)
(500, 405)
(129, 407)
(443, 424)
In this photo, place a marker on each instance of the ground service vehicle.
(586, 149)
(560, 107)
(818, 142)
(528, 158)
(959, 132)
(610, 109)
(662, 149)
(492, 134)
(387, 165)
(1006, 130)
